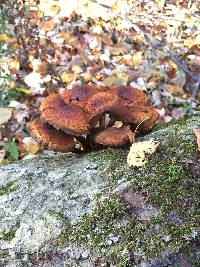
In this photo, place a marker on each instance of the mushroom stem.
(83, 142)
(102, 122)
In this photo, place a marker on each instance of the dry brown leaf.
(47, 25)
(116, 50)
(69, 38)
(175, 90)
(197, 133)
(105, 39)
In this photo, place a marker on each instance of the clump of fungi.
(92, 116)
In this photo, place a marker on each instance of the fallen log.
(82, 210)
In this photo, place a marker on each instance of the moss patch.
(8, 188)
(8, 235)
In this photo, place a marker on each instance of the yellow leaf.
(14, 65)
(77, 69)
(4, 38)
(67, 77)
(161, 3)
(86, 76)
(192, 41)
(31, 146)
(118, 78)
(118, 124)
(137, 59)
(137, 156)
(113, 80)
(23, 90)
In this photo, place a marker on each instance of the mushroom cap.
(114, 136)
(129, 96)
(145, 115)
(51, 101)
(71, 119)
(50, 137)
(79, 95)
(100, 102)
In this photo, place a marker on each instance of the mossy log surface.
(82, 210)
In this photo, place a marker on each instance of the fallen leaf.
(105, 39)
(118, 79)
(5, 115)
(2, 155)
(77, 69)
(192, 41)
(174, 89)
(137, 156)
(14, 65)
(23, 90)
(67, 77)
(118, 124)
(197, 133)
(47, 25)
(4, 38)
(34, 81)
(31, 146)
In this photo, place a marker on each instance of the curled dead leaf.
(197, 133)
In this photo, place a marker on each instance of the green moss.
(57, 215)
(8, 188)
(8, 235)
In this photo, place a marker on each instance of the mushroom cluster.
(92, 115)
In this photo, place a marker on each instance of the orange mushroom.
(50, 137)
(81, 111)
(79, 95)
(114, 136)
(129, 96)
(52, 101)
(71, 119)
(135, 115)
(100, 102)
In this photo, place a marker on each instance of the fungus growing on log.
(72, 119)
(79, 95)
(81, 112)
(135, 115)
(129, 96)
(50, 137)
(115, 137)
(101, 102)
